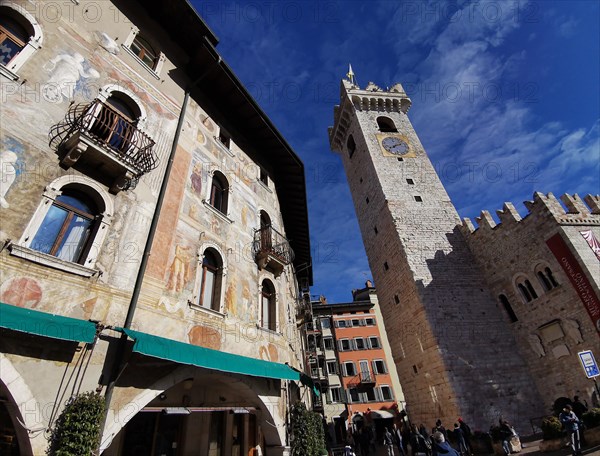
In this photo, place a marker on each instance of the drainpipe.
(118, 366)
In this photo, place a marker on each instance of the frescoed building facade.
(146, 207)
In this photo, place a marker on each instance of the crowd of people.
(409, 440)
(412, 440)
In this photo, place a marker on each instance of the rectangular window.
(349, 369)
(328, 343)
(355, 322)
(325, 323)
(336, 394)
(225, 139)
(332, 367)
(370, 393)
(386, 393)
(264, 177)
(370, 321)
(345, 345)
(353, 395)
(379, 366)
(374, 342)
(359, 343)
(341, 323)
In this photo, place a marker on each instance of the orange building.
(353, 365)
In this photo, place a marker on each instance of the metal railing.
(267, 240)
(109, 129)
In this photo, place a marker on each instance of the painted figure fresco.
(66, 72)
(8, 174)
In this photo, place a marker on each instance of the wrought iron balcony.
(271, 250)
(98, 140)
(362, 379)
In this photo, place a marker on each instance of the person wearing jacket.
(571, 423)
(440, 447)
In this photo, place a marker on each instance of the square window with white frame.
(374, 342)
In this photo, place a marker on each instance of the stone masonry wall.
(551, 329)
(447, 335)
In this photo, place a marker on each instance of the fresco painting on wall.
(22, 292)
(179, 271)
(11, 159)
(68, 75)
(205, 336)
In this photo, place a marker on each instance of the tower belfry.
(453, 350)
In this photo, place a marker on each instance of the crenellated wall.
(549, 275)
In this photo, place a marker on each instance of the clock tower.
(451, 344)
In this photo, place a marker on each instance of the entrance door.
(153, 434)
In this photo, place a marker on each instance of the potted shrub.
(76, 432)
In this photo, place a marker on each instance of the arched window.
(210, 281)
(268, 306)
(508, 308)
(219, 192)
(67, 227)
(146, 53)
(546, 278)
(386, 125)
(115, 121)
(526, 290)
(15, 33)
(351, 146)
(20, 37)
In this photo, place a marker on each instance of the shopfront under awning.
(46, 325)
(179, 352)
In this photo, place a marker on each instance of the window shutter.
(385, 371)
(374, 366)
(343, 395)
(378, 394)
(368, 342)
(349, 396)
(340, 348)
(344, 372)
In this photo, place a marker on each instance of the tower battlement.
(577, 212)
(371, 98)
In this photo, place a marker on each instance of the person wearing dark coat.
(459, 438)
(440, 447)
(398, 440)
(506, 433)
(439, 428)
(466, 434)
(571, 423)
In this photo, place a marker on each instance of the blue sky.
(506, 98)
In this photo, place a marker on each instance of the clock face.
(395, 145)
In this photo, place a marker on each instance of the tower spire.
(350, 74)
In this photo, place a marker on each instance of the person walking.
(506, 433)
(388, 442)
(459, 438)
(571, 424)
(439, 428)
(426, 440)
(397, 434)
(579, 408)
(466, 434)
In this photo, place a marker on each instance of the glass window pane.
(8, 49)
(49, 229)
(265, 312)
(76, 202)
(74, 239)
(208, 288)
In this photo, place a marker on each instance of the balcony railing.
(362, 379)
(271, 249)
(103, 141)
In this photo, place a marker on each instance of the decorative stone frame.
(261, 278)
(520, 279)
(34, 43)
(127, 47)
(541, 267)
(207, 193)
(193, 303)
(106, 91)
(52, 191)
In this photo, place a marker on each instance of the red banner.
(577, 277)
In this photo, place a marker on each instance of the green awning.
(45, 324)
(179, 352)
